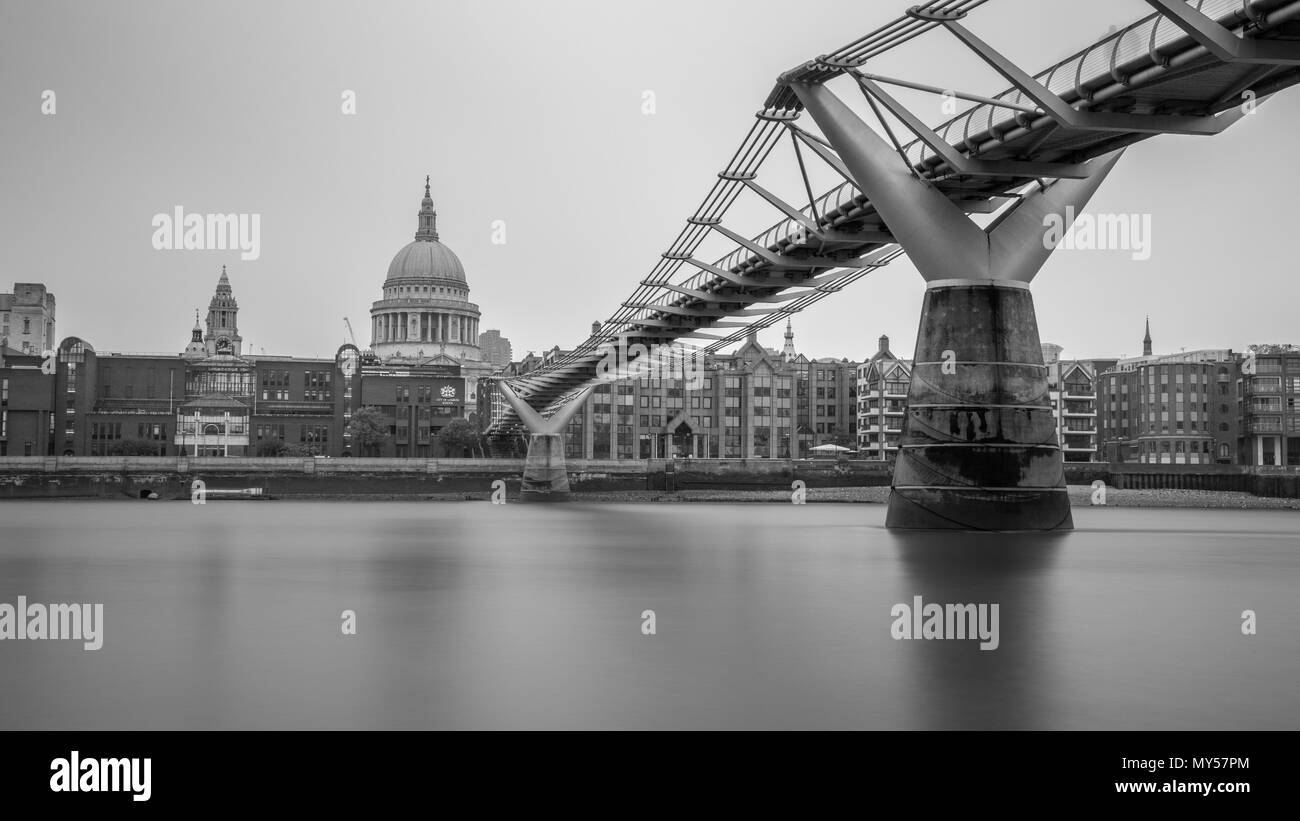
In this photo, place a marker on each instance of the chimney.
(884, 344)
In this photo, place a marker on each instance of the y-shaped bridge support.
(546, 477)
(979, 447)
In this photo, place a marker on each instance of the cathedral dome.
(426, 259)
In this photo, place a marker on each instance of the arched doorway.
(683, 441)
(677, 440)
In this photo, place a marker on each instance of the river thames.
(230, 615)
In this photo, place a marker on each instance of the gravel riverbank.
(1080, 496)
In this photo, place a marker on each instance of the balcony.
(188, 440)
(1265, 426)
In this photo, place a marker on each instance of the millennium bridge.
(978, 448)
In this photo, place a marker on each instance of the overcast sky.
(532, 113)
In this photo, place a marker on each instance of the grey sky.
(531, 113)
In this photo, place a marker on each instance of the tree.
(458, 436)
(134, 447)
(272, 447)
(1274, 348)
(303, 449)
(368, 431)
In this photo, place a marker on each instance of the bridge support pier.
(979, 448)
(546, 475)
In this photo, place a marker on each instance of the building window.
(270, 432)
(275, 385)
(318, 434)
(316, 386)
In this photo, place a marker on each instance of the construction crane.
(351, 334)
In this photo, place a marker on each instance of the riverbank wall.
(173, 478)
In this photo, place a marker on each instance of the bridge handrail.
(1108, 56)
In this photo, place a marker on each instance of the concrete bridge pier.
(979, 449)
(546, 476)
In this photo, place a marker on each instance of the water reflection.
(471, 615)
(959, 685)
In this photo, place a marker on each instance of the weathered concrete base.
(979, 448)
(546, 477)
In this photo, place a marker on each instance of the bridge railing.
(1072, 77)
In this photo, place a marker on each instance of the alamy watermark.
(946, 621)
(179, 231)
(68, 622)
(77, 774)
(1100, 232)
(637, 361)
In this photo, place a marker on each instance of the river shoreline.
(1080, 496)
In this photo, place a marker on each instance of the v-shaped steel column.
(979, 447)
(546, 476)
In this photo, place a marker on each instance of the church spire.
(787, 352)
(428, 230)
(222, 334)
(196, 350)
(1146, 341)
